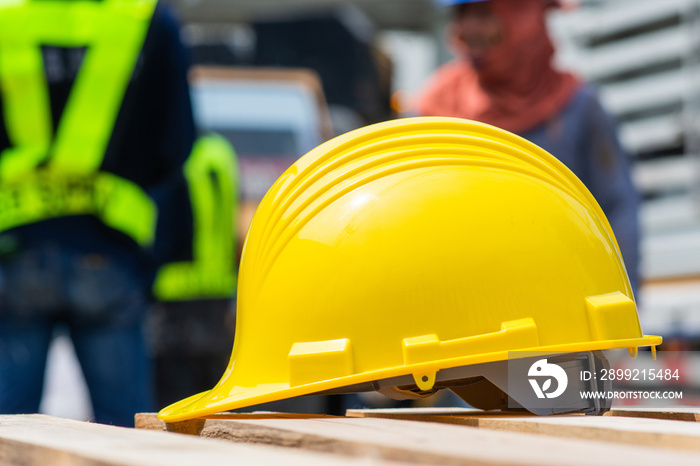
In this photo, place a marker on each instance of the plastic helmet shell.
(412, 246)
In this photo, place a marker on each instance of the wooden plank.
(463, 415)
(428, 443)
(43, 440)
(447, 415)
(642, 430)
(681, 413)
(149, 421)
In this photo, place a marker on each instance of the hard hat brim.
(222, 399)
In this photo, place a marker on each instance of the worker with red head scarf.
(503, 75)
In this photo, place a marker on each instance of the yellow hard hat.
(413, 246)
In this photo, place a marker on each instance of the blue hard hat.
(446, 3)
(457, 2)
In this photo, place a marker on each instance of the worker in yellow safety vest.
(95, 127)
(192, 324)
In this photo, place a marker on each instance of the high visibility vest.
(45, 175)
(212, 179)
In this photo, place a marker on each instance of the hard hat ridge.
(337, 167)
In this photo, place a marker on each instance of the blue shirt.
(583, 136)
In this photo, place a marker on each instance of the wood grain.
(429, 443)
(684, 413)
(644, 429)
(150, 421)
(42, 440)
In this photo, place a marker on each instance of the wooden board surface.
(683, 413)
(676, 413)
(149, 421)
(42, 440)
(424, 443)
(643, 429)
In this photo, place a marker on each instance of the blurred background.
(278, 77)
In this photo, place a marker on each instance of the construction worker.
(95, 127)
(503, 75)
(192, 326)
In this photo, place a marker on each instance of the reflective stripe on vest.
(45, 175)
(212, 179)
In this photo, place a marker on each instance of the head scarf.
(515, 88)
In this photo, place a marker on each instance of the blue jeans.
(102, 302)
